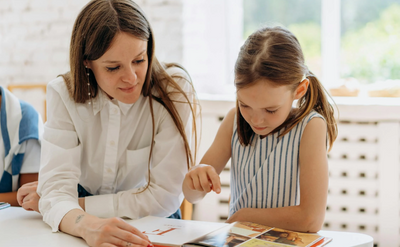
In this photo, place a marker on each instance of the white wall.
(212, 34)
(203, 35)
(35, 36)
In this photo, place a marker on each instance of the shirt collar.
(99, 101)
(102, 99)
(124, 107)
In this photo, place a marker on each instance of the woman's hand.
(110, 232)
(28, 198)
(203, 178)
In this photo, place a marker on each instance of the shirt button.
(112, 143)
(109, 170)
(115, 111)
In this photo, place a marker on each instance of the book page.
(173, 232)
(219, 238)
(231, 235)
(249, 234)
(260, 243)
(248, 229)
(290, 238)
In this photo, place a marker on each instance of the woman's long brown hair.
(93, 32)
(274, 54)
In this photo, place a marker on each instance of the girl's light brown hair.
(274, 54)
(92, 34)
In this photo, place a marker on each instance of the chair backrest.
(186, 210)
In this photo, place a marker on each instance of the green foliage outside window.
(370, 43)
(372, 52)
(309, 36)
(302, 17)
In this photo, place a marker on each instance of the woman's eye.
(139, 61)
(243, 106)
(112, 69)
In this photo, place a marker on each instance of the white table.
(20, 228)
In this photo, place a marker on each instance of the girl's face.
(265, 106)
(122, 69)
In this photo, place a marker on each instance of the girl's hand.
(237, 216)
(111, 232)
(28, 198)
(203, 178)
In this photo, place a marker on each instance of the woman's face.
(265, 106)
(122, 69)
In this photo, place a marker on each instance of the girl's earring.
(88, 84)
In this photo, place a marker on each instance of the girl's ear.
(302, 88)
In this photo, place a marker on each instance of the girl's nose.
(257, 119)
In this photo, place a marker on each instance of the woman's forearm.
(74, 221)
(96, 231)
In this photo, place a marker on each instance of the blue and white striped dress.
(265, 174)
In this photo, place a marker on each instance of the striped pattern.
(19, 122)
(265, 174)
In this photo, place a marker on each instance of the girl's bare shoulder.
(228, 122)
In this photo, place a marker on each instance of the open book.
(173, 232)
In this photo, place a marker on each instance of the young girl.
(118, 132)
(279, 169)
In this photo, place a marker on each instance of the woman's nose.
(130, 76)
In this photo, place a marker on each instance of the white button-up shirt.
(105, 147)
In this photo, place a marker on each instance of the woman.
(119, 128)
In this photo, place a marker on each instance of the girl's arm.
(203, 178)
(309, 215)
(29, 170)
(11, 197)
(27, 196)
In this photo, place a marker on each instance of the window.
(303, 18)
(212, 34)
(345, 42)
(370, 40)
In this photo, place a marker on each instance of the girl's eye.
(243, 106)
(271, 112)
(112, 69)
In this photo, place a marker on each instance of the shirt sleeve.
(60, 163)
(31, 161)
(168, 168)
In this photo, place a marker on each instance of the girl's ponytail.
(316, 99)
(274, 54)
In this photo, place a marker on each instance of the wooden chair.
(11, 88)
(187, 207)
(186, 210)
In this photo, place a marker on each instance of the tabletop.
(20, 228)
